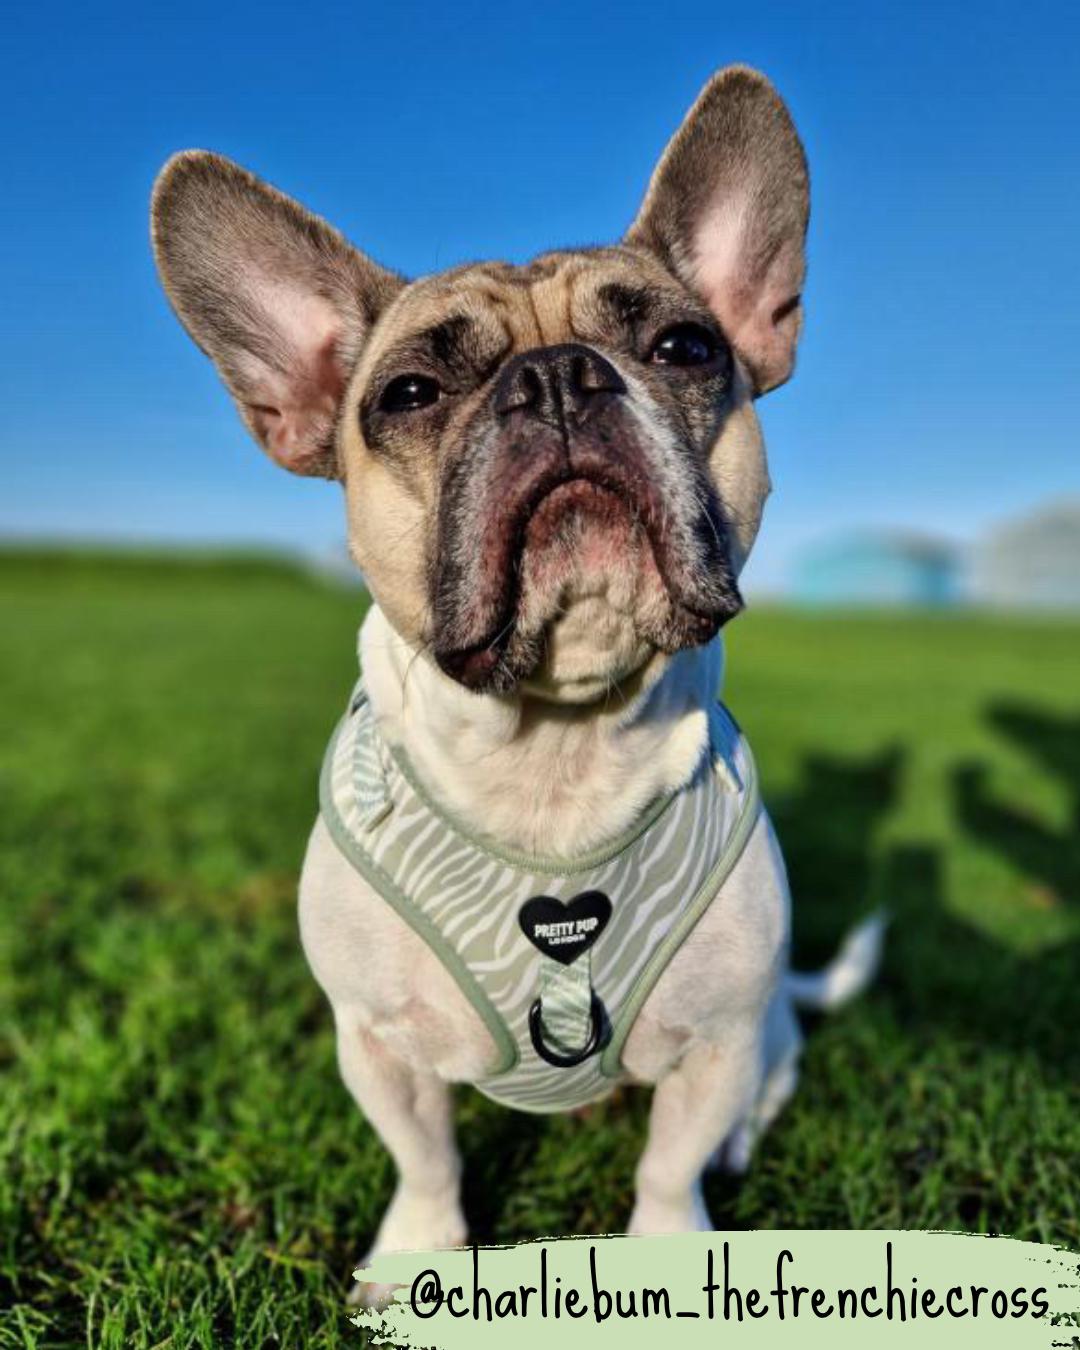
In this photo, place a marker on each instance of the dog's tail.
(848, 973)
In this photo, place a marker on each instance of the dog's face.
(553, 472)
(533, 443)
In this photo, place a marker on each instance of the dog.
(553, 476)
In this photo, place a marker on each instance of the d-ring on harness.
(556, 955)
(598, 1037)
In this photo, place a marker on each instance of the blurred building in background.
(877, 568)
(1031, 563)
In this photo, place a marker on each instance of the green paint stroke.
(987, 1292)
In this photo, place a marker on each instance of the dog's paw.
(413, 1223)
(653, 1216)
(371, 1295)
(421, 1222)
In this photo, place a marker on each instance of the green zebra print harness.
(557, 955)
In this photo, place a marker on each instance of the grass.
(180, 1163)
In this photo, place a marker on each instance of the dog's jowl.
(541, 865)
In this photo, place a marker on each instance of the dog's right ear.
(276, 297)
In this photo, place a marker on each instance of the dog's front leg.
(412, 1112)
(694, 1109)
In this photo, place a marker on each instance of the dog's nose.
(567, 382)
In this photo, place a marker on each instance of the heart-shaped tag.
(564, 931)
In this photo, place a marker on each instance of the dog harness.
(557, 955)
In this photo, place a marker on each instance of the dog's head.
(553, 472)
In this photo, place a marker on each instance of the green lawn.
(181, 1165)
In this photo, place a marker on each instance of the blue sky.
(939, 381)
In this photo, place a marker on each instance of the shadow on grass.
(1050, 859)
(943, 975)
(827, 828)
(1010, 999)
(947, 977)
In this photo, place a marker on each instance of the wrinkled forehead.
(573, 295)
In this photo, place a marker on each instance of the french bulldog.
(553, 476)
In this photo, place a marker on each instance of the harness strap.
(566, 996)
(567, 1018)
(383, 885)
(611, 1061)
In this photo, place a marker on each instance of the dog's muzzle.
(559, 416)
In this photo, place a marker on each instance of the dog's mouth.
(559, 516)
(595, 516)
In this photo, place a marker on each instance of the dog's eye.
(686, 344)
(406, 393)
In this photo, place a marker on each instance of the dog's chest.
(379, 975)
(555, 981)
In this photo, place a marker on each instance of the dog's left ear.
(727, 210)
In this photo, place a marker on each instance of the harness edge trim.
(539, 864)
(611, 1059)
(385, 887)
